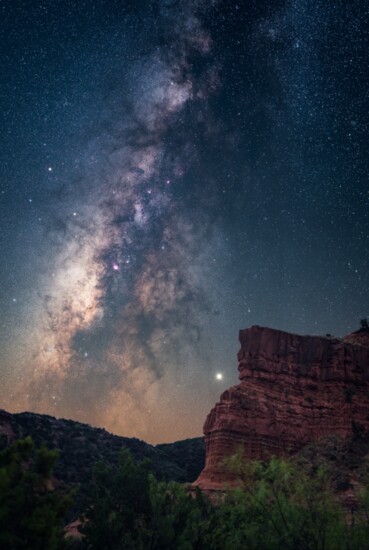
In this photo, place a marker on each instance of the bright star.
(219, 376)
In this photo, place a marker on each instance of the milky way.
(174, 172)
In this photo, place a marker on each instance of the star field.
(172, 172)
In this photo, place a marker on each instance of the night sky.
(173, 171)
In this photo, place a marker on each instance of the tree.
(117, 504)
(31, 512)
(277, 506)
(178, 520)
(129, 509)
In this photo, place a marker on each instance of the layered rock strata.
(294, 390)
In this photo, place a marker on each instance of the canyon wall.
(293, 390)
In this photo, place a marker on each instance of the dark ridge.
(81, 446)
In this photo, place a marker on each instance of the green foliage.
(277, 506)
(177, 519)
(118, 501)
(130, 509)
(31, 513)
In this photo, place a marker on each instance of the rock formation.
(294, 390)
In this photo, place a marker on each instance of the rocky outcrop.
(294, 390)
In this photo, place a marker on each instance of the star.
(203, 187)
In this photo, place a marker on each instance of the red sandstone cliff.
(294, 390)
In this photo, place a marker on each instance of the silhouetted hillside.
(81, 446)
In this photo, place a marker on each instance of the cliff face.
(294, 390)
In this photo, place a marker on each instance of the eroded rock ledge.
(294, 390)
